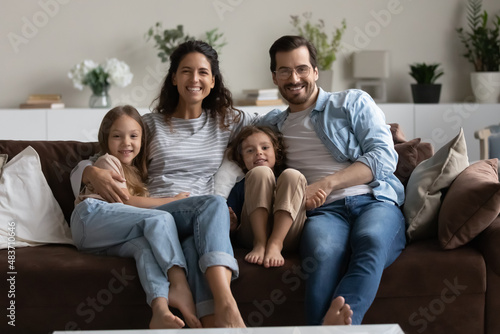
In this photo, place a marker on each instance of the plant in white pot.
(482, 43)
(425, 90)
(326, 47)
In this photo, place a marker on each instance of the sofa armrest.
(487, 242)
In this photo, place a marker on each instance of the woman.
(188, 131)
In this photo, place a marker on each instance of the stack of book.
(43, 101)
(261, 97)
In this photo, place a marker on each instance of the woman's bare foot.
(162, 317)
(180, 296)
(273, 257)
(256, 256)
(227, 314)
(339, 313)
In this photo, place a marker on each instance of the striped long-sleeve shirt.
(185, 156)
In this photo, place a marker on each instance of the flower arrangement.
(314, 33)
(100, 76)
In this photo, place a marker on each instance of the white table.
(361, 329)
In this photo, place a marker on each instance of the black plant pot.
(426, 93)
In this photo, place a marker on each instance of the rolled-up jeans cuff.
(219, 259)
(205, 308)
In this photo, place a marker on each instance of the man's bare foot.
(339, 313)
(180, 296)
(273, 257)
(162, 317)
(256, 256)
(227, 315)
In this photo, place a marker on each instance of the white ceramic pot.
(485, 86)
(325, 80)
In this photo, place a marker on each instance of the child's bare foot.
(162, 316)
(180, 297)
(339, 313)
(257, 254)
(227, 315)
(273, 257)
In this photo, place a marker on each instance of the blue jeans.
(203, 227)
(345, 247)
(149, 236)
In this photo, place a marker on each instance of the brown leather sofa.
(426, 290)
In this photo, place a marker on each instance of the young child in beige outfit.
(269, 204)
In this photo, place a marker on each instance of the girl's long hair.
(218, 103)
(234, 149)
(136, 174)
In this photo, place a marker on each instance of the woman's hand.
(316, 200)
(104, 183)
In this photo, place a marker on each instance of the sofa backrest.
(57, 158)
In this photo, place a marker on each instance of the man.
(341, 143)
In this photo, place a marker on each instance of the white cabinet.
(434, 123)
(438, 124)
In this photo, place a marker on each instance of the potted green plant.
(326, 47)
(167, 40)
(425, 90)
(482, 44)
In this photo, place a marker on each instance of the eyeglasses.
(285, 72)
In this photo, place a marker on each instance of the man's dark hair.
(289, 43)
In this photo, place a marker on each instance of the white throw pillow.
(426, 184)
(29, 213)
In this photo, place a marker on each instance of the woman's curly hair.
(218, 103)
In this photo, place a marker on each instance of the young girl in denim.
(267, 191)
(131, 230)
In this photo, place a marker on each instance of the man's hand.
(233, 219)
(103, 182)
(316, 200)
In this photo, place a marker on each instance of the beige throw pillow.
(424, 189)
(29, 213)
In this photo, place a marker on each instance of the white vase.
(485, 86)
(325, 80)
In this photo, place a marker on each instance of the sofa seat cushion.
(424, 269)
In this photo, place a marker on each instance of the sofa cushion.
(407, 159)
(476, 191)
(58, 158)
(31, 213)
(425, 186)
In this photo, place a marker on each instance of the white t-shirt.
(306, 153)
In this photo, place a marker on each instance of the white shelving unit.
(434, 123)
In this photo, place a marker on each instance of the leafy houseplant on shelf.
(167, 40)
(99, 77)
(326, 48)
(482, 43)
(425, 90)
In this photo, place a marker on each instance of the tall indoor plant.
(482, 44)
(326, 47)
(425, 90)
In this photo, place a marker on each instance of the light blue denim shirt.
(353, 128)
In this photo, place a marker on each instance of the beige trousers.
(263, 191)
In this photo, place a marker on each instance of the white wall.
(41, 40)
